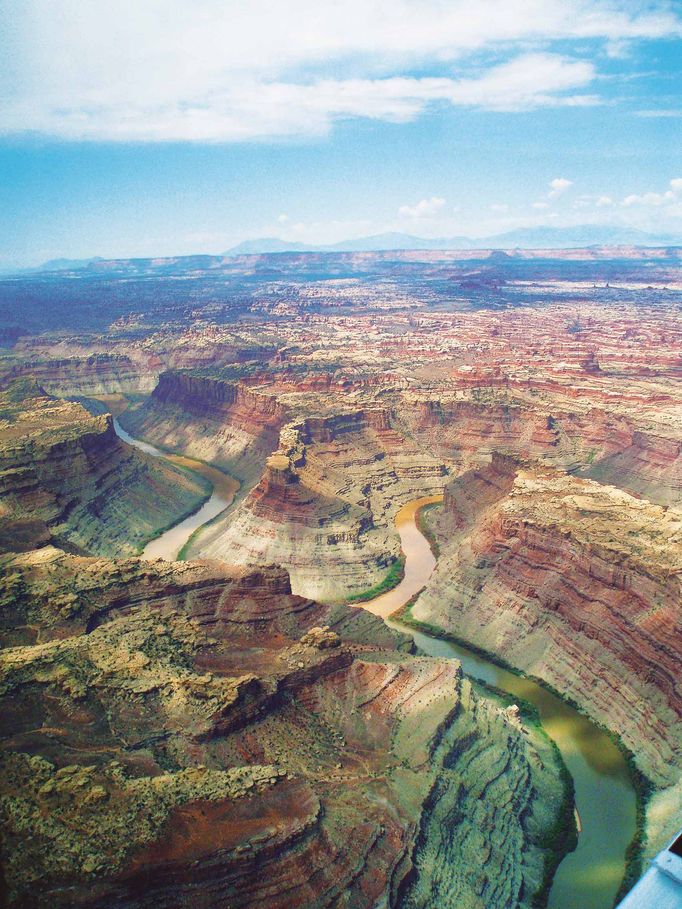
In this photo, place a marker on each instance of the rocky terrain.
(65, 477)
(227, 732)
(579, 584)
(185, 733)
(90, 375)
(325, 503)
(324, 489)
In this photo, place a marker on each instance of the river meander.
(168, 544)
(589, 877)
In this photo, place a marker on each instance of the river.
(589, 877)
(168, 544)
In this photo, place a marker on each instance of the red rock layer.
(65, 474)
(576, 583)
(185, 734)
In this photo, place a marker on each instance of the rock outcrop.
(66, 476)
(183, 734)
(96, 374)
(226, 423)
(189, 734)
(325, 503)
(320, 492)
(579, 584)
(602, 444)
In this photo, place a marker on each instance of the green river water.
(587, 878)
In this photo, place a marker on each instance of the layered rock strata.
(184, 734)
(226, 423)
(324, 489)
(65, 476)
(603, 444)
(96, 374)
(579, 584)
(325, 503)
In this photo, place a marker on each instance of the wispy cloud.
(230, 71)
(671, 196)
(252, 110)
(671, 113)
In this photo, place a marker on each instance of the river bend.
(590, 876)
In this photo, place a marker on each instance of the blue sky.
(171, 127)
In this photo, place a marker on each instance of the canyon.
(66, 478)
(256, 737)
(229, 739)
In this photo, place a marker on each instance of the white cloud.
(426, 208)
(282, 219)
(499, 207)
(656, 200)
(660, 112)
(251, 110)
(225, 70)
(558, 187)
(604, 202)
(618, 49)
(540, 205)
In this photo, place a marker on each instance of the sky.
(169, 127)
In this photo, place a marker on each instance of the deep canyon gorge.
(198, 502)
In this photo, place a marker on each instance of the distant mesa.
(523, 238)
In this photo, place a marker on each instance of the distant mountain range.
(522, 238)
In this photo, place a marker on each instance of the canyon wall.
(183, 734)
(579, 584)
(325, 504)
(66, 476)
(320, 492)
(605, 444)
(96, 374)
(225, 423)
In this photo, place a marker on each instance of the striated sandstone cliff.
(226, 423)
(96, 374)
(579, 584)
(325, 503)
(324, 488)
(604, 444)
(65, 475)
(185, 734)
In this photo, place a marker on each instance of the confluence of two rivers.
(589, 877)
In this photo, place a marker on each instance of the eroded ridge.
(579, 584)
(539, 391)
(176, 733)
(65, 477)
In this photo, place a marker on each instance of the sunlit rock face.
(324, 489)
(226, 423)
(188, 733)
(83, 376)
(325, 503)
(65, 476)
(194, 733)
(577, 583)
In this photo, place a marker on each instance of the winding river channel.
(589, 877)
(169, 544)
